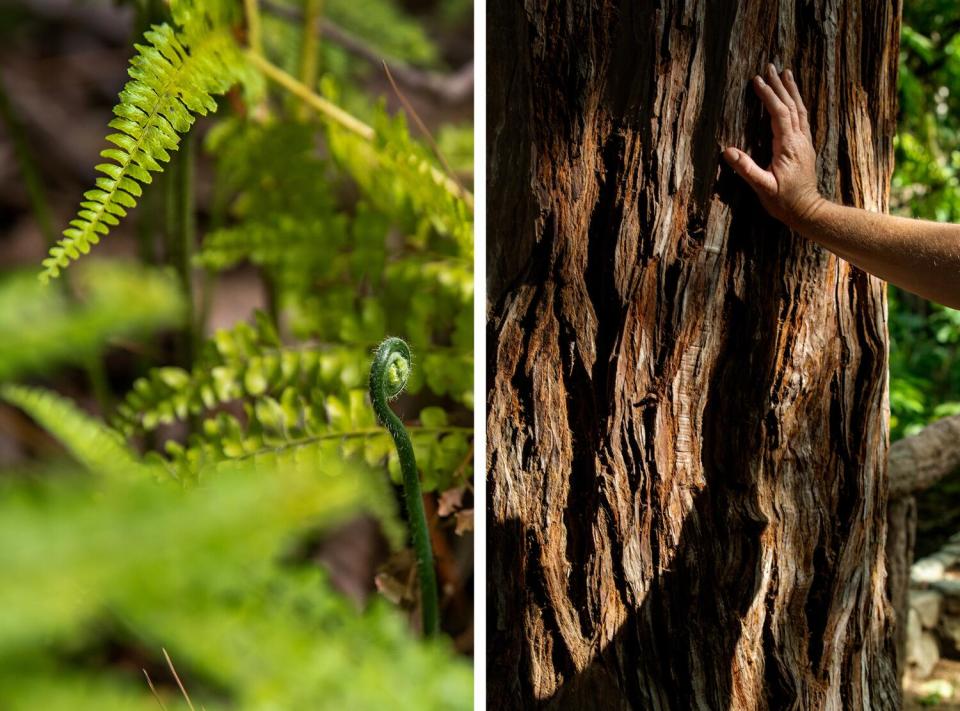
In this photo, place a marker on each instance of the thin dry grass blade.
(153, 690)
(173, 671)
(423, 129)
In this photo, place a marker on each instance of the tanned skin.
(917, 255)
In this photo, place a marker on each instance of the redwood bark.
(687, 403)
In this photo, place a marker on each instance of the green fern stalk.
(388, 376)
(181, 236)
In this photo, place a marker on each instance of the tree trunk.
(915, 464)
(687, 403)
(901, 538)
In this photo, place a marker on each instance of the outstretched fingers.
(779, 113)
(762, 181)
(791, 85)
(773, 78)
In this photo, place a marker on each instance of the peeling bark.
(687, 403)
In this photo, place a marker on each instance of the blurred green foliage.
(41, 327)
(192, 520)
(925, 337)
(200, 571)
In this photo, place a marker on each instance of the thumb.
(762, 181)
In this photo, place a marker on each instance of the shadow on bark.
(677, 649)
(670, 366)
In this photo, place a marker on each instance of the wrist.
(809, 214)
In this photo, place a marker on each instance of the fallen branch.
(920, 461)
(448, 88)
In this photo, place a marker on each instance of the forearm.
(917, 255)
(922, 257)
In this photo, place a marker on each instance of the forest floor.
(940, 691)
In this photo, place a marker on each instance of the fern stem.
(314, 101)
(181, 234)
(254, 37)
(309, 45)
(344, 119)
(388, 376)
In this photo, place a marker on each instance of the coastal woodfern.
(173, 78)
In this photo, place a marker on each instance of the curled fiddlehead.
(388, 376)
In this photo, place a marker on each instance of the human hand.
(788, 190)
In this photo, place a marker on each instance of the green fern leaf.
(394, 172)
(98, 447)
(172, 80)
(41, 328)
(307, 429)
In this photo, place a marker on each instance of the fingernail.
(732, 155)
(789, 75)
(759, 80)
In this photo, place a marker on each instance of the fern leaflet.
(98, 447)
(171, 81)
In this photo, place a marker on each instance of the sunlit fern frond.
(297, 428)
(169, 394)
(399, 177)
(174, 77)
(243, 363)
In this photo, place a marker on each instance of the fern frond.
(305, 431)
(399, 177)
(42, 328)
(206, 573)
(246, 366)
(169, 394)
(289, 247)
(244, 361)
(171, 81)
(98, 447)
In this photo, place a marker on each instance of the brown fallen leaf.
(451, 501)
(464, 521)
(396, 579)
